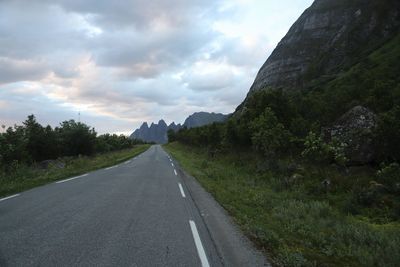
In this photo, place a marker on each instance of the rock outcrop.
(199, 119)
(328, 37)
(157, 132)
(355, 129)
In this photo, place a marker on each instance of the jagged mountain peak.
(158, 132)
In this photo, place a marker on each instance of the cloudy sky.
(120, 63)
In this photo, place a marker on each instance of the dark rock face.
(199, 119)
(328, 37)
(355, 130)
(158, 132)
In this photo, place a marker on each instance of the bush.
(316, 150)
(269, 136)
(389, 175)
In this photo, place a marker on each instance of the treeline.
(277, 124)
(31, 142)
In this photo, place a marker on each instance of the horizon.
(118, 66)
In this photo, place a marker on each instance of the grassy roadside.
(24, 178)
(293, 228)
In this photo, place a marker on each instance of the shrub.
(316, 150)
(269, 135)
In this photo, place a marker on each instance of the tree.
(77, 138)
(269, 136)
(172, 137)
(387, 141)
(36, 140)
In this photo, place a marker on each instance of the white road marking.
(181, 188)
(1, 199)
(199, 245)
(112, 167)
(170, 160)
(175, 172)
(172, 164)
(73, 178)
(126, 162)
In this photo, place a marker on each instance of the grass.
(24, 177)
(297, 225)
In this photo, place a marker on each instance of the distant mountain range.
(157, 132)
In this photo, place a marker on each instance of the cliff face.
(203, 118)
(328, 37)
(157, 132)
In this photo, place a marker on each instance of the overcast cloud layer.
(120, 63)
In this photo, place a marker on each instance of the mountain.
(329, 37)
(158, 132)
(198, 119)
(339, 57)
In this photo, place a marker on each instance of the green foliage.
(76, 138)
(389, 175)
(372, 82)
(20, 176)
(296, 227)
(269, 135)
(32, 142)
(316, 150)
(171, 135)
(387, 141)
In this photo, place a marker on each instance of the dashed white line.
(199, 245)
(172, 164)
(1, 199)
(181, 188)
(73, 178)
(127, 162)
(175, 172)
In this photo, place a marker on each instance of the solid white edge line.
(181, 188)
(73, 178)
(5, 198)
(112, 167)
(175, 172)
(199, 245)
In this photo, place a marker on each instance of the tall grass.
(292, 227)
(22, 177)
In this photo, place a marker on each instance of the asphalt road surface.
(143, 212)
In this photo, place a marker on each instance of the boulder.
(355, 129)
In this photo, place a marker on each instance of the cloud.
(124, 62)
(12, 70)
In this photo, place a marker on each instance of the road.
(139, 213)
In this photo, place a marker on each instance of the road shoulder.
(234, 248)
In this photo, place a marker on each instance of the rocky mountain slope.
(198, 119)
(329, 37)
(157, 132)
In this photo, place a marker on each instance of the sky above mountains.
(120, 63)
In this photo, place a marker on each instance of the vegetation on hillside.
(341, 215)
(301, 220)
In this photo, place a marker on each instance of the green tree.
(269, 136)
(387, 133)
(77, 138)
